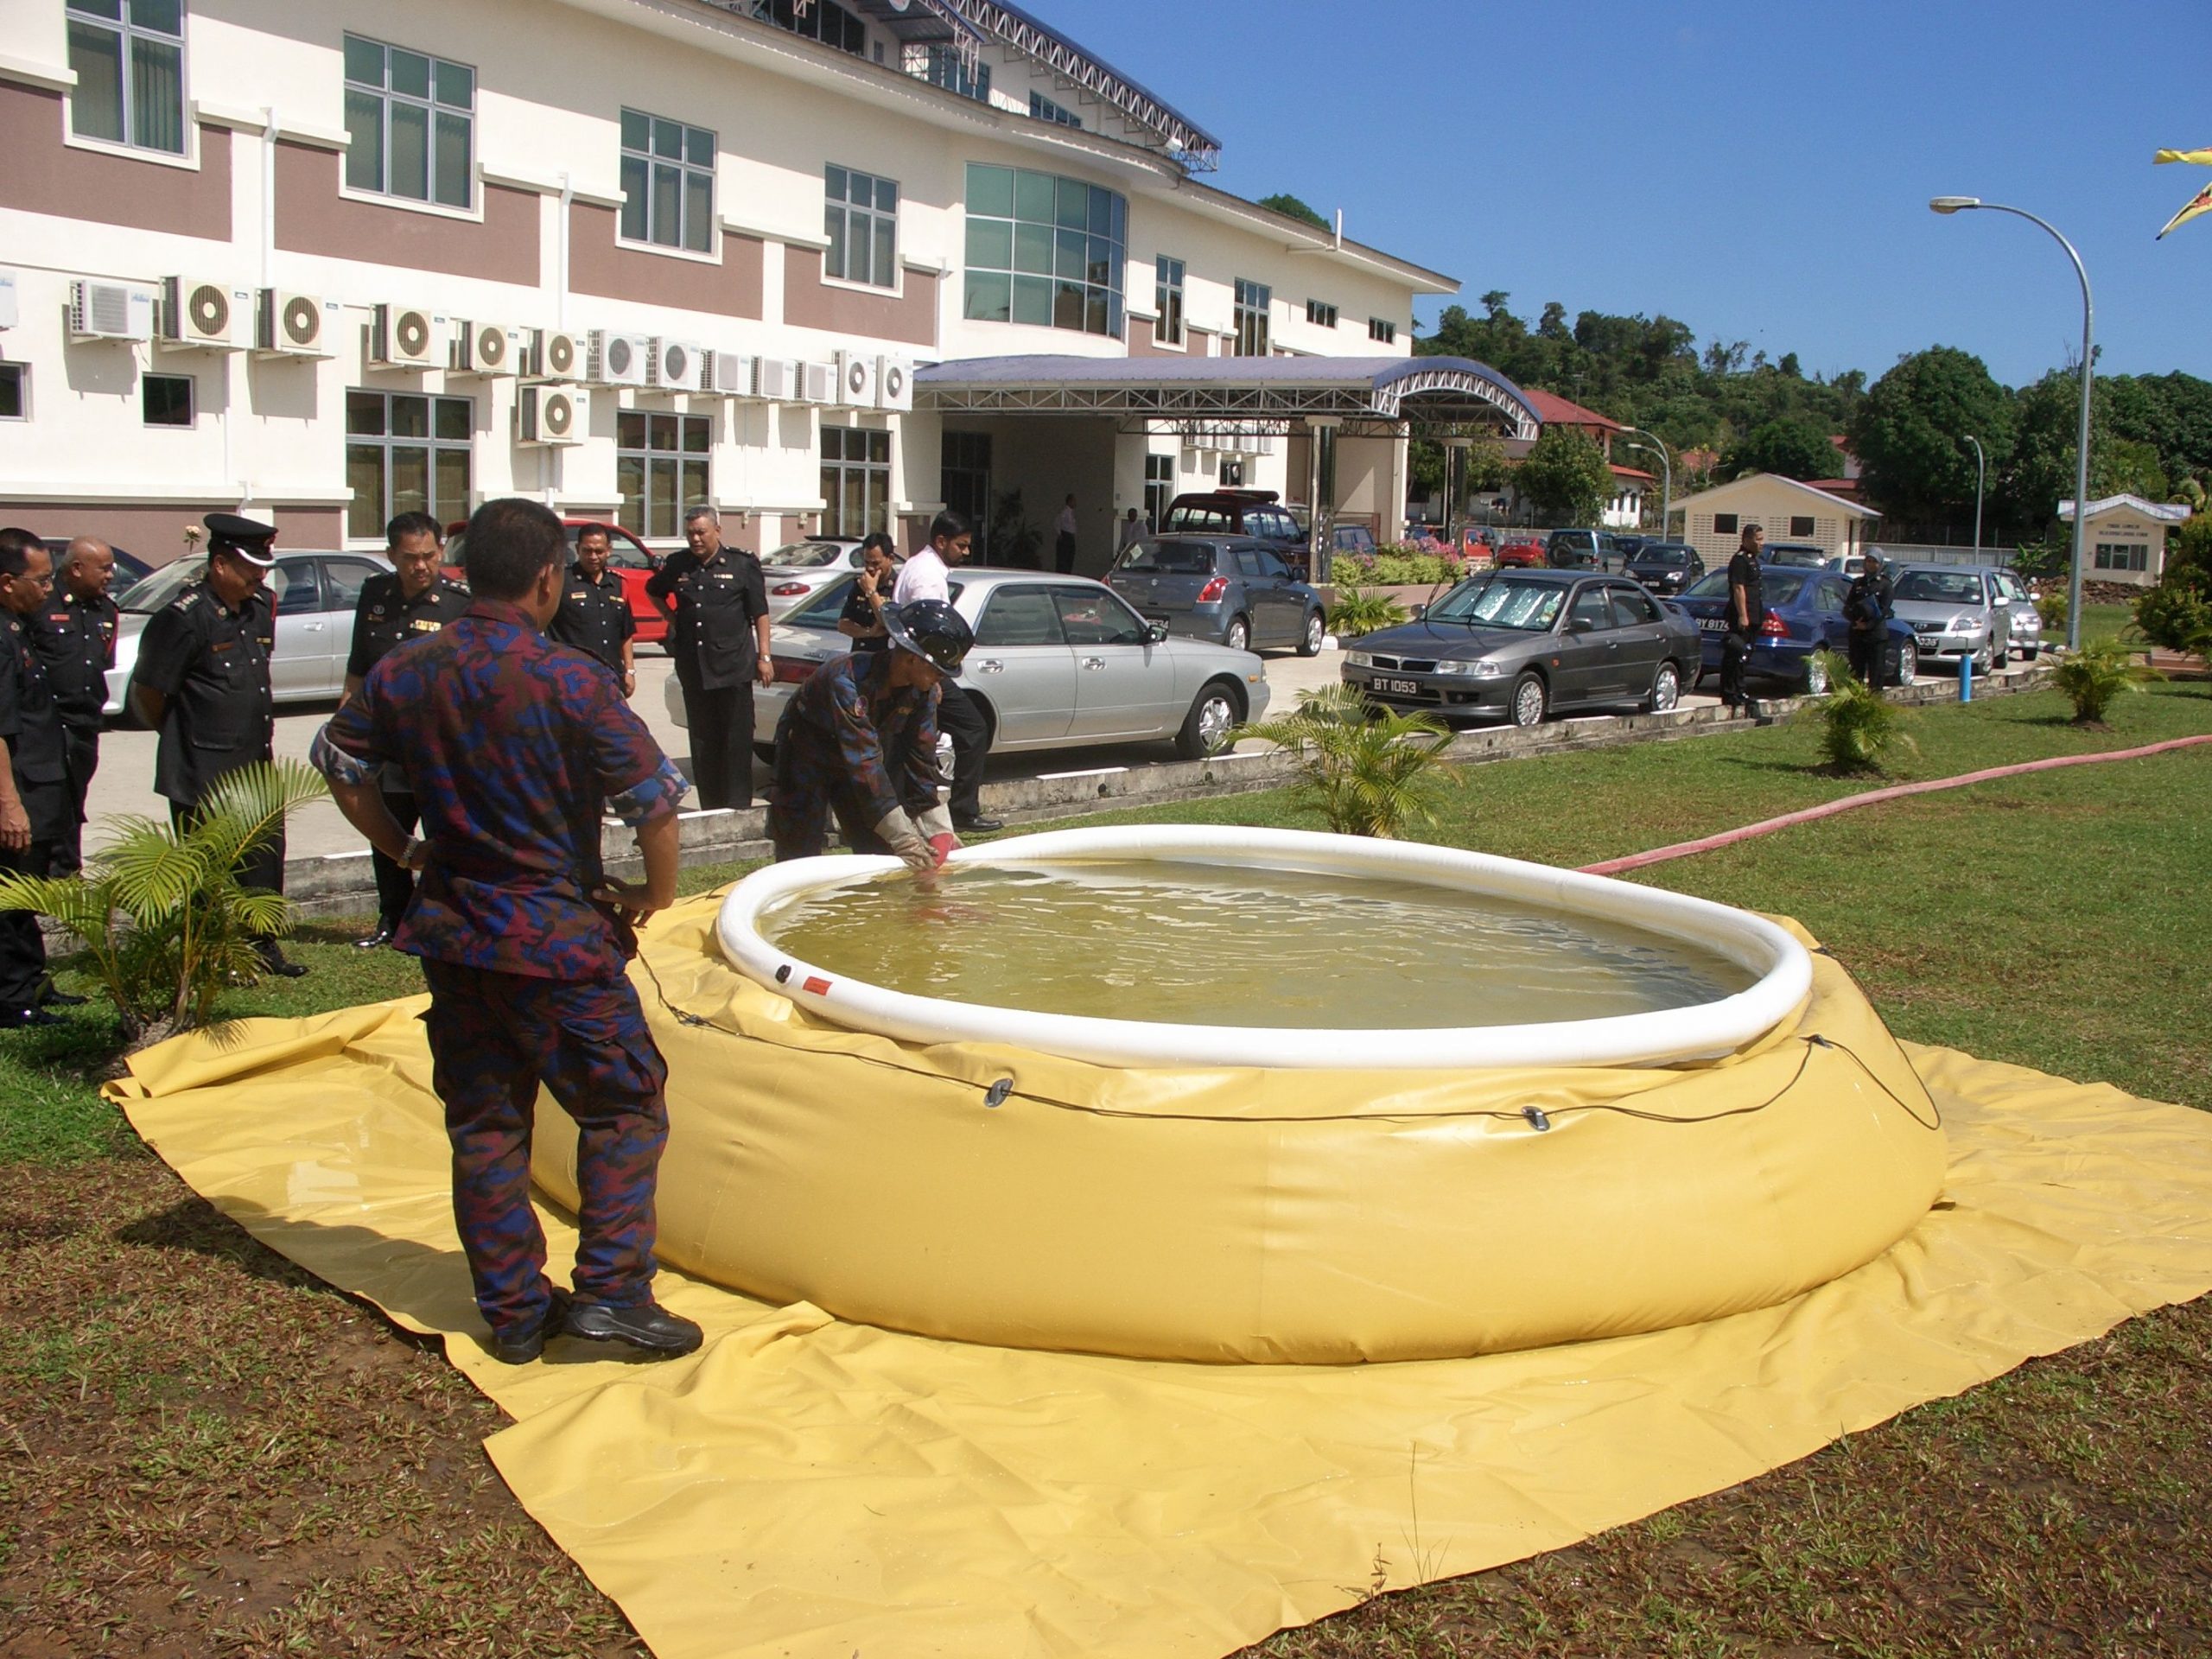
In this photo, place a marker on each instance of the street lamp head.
(1953, 204)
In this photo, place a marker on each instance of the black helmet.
(930, 629)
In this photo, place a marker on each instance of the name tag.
(426, 625)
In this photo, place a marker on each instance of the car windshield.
(805, 555)
(1190, 517)
(1663, 555)
(151, 593)
(1939, 588)
(1776, 587)
(1170, 559)
(1531, 606)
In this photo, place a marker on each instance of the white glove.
(896, 830)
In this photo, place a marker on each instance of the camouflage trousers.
(493, 1038)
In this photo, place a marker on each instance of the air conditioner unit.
(818, 382)
(8, 308)
(487, 348)
(678, 365)
(295, 325)
(730, 374)
(407, 337)
(894, 383)
(110, 311)
(856, 379)
(552, 415)
(616, 359)
(558, 356)
(209, 315)
(780, 379)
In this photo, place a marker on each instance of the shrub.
(160, 911)
(2051, 608)
(2094, 677)
(1355, 612)
(1368, 771)
(1860, 728)
(2174, 615)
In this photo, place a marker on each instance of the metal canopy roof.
(1426, 391)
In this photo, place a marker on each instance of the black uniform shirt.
(715, 605)
(595, 616)
(862, 614)
(77, 639)
(31, 721)
(383, 618)
(212, 664)
(1868, 603)
(1743, 572)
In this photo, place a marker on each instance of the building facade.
(327, 264)
(2124, 538)
(1714, 520)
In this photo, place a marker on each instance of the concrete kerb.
(342, 884)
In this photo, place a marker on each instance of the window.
(406, 453)
(1230, 474)
(942, 66)
(166, 399)
(1020, 616)
(861, 218)
(1723, 524)
(1801, 527)
(1158, 487)
(1093, 616)
(1632, 609)
(1253, 300)
(1382, 330)
(855, 481)
(412, 123)
(1167, 304)
(345, 578)
(300, 594)
(2123, 556)
(660, 470)
(1045, 251)
(1045, 110)
(668, 183)
(1320, 314)
(14, 392)
(128, 59)
(818, 20)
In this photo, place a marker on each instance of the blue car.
(1804, 613)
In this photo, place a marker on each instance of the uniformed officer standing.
(514, 745)
(594, 614)
(202, 682)
(862, 620)
(408, 601)
(34, 781)
(76, 634)
(1746, 611)
(1867, 606)
(716, 603)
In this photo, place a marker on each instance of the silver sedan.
(1059, 663)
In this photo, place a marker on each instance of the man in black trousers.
(34, 772)
(75, 633)
(716, 603)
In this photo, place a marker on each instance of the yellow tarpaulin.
(806, 1486)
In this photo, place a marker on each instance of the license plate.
(1713, 624)
(1399, 688)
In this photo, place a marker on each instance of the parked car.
(1523, 553)
(315, 595)
(1795, 556)
(1664, 567)
(796, 569)
(1527, 643)
(1847, 564)
(1629, 546)
(1967, 610)
(1582, 550)
(1356, 539)
(629, 559)
(1059, 663)
(1239, 512)
(1229, 590)
(129, 567)
(1804, 613)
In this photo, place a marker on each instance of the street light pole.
(1948, 205)
(1666, 475)
(1981, 476)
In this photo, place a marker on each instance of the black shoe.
(51, 998)
(648, 1326)
(274, 961)
(377, 940)
(17, 1019)
(978, 826)
(520, 1347)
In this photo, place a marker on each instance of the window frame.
(689, 170)
(436, 111)
(1321, 314)
(1252, 317)
(838, 217)
(1053, 111)
(1082, 241)
(1167, 297)
(1160, 475)
(1797, 534)
(191, 383)
(128, 35)
(369, 529)
(19, 373)
(1382, 331)
(874, 475)
(678, 465)
(1733, 527)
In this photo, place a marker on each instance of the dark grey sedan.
(1229, 590)
(1527, 643)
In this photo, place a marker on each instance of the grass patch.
(2101, 622)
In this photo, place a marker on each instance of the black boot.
(648, 1326)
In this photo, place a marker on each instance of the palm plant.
(163, 917)
(1860, 728)
(1368, 771)
(1355, 612)
(2094, 677)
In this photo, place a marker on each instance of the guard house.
(2124, 538)
(1786, 510)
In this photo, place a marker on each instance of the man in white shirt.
(1064, 528)
(1133, 528)
(928, 575)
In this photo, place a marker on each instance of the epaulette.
(185, 599)
(460, 587)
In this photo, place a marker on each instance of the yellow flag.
(2195, 157)
(2199, 203)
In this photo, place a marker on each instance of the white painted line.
(1100, 771)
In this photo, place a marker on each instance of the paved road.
(124, 783)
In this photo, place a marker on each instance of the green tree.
(2038, 473)
(1290, 207)
(1910, 433)
(1565, 474)
(1794, 448)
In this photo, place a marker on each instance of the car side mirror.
(1580, 625)
(1420, 611)
(1155, 633)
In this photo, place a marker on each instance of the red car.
(1523, 552)
(631, 560)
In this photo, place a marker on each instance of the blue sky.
(1760, 171)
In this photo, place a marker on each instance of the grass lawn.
(2101, 622)
(203, 1451)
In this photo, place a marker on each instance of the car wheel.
(1666, 690)
(1239, 637)
(1816, 677)
(1309, 643)
(1908, 663)
(1530, 699)
(1210, 720)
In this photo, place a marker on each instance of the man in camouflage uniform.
(511, 744)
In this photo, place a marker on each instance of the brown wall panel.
(39, 174)
(599, 265)
(156, 534)
(312, 218)
(810, 302)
